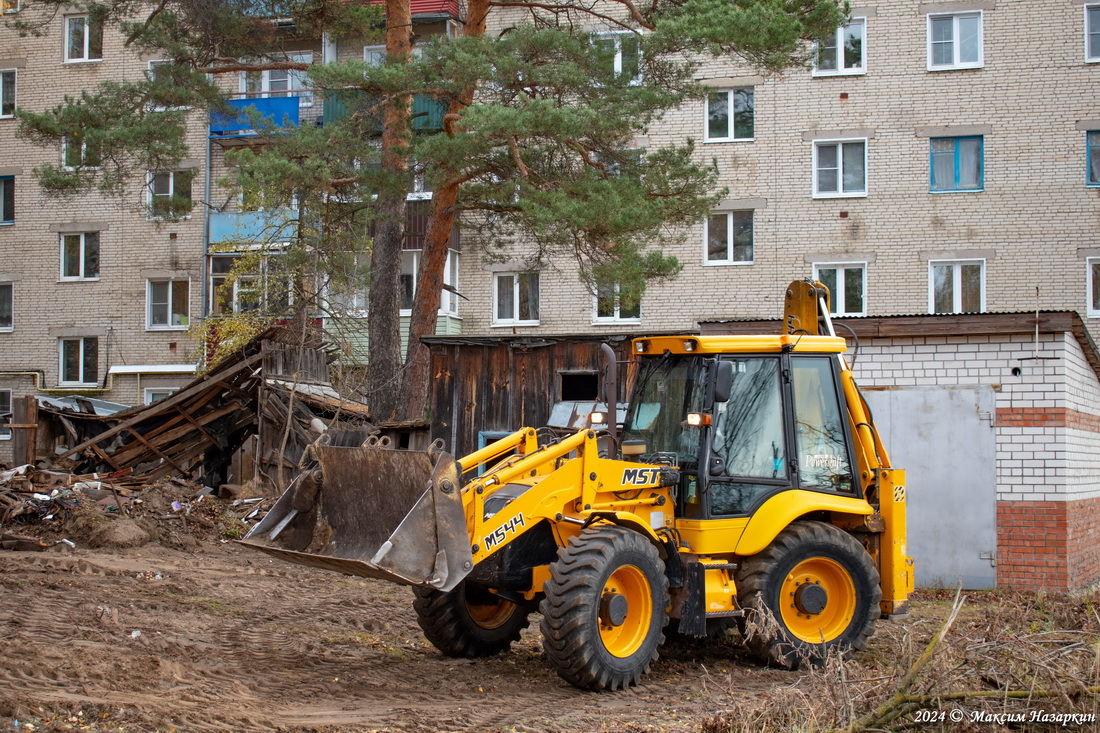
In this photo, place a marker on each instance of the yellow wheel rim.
(818, 600)
(628, 584)
(492, 615)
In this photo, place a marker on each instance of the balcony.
(427, 111)
(270, 113)
(243, 228)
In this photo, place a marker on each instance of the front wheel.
(469, 621)
(814, 589)
(605, 607)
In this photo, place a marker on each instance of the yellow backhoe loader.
(748, 485)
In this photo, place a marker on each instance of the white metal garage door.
(944, 438)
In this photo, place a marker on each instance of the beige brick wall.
(1031, 222)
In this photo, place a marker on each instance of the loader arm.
(807, 309)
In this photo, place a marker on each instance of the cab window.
(823, 459)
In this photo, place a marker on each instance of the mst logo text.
(641, 476)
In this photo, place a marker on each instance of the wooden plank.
(123, 454)
(161, 405)
(153, 448)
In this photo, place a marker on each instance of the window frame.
(14, 85)
(149, 305)
(1092, 281)
(731, 247)
(616, 316)
(617, 64)
(83, 358)
(1092, 29)
(839, 36)
(295, 81)
(5, 432)
(956, 188)
(956, 265)
(955, 44)
(8, 7)
(152, 196)
(87, 58)
(83, 257)
(7, 217)
(83, 164)
(10, 288)
(147, 392)
(731, 111)
(835, 301)
(516, 321)
(1092, 151)
(839, 193)
(262, 281)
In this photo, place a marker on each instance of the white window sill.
(957, 190)
(1092, 314)
(5, 437)
(78, 280)
(78, 385)
(7, 117)
(846, 72)
(83, 61)
(164, 218)
(861, 195)
(729, 140)
(166, 328)
(617, 322)
(514, 324)
(7, 329)
(7, 223)
(960, 67)
(728, 263)
(75, 168)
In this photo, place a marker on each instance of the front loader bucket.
(375, 512)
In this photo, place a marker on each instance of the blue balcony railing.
(247, 112)
(252, 227)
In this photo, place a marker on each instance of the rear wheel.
(469, 621)
(814, 589)
(605, 608)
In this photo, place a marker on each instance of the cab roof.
(754, 344)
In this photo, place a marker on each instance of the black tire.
(605, 608)
(789, 620)
(468, 621)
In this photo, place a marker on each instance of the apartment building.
(937, 167)
(100, 293)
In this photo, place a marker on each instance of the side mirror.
(723, 381)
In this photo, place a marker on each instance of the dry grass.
(997, 661)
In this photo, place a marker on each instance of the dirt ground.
(225, 638)
(156, 622)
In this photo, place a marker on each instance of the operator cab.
(744, 418)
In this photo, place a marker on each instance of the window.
(80, 256)
(1092, 32)
(266, 286)
(77, 153)
(624, 53)
(170, 193)
(153, 394)
(730, 115)
(374, 55)
(957, 287)
(281, 82)
(5, 414)
(79, 360)
(7, 93)
(610, 308)
(168, 80)
(410, 267)
(847, 283)
(167, 304)
(83, 38)
(955, 41)
(7, 199)
(1092, 277)
(728, 238)
(516, 299)
(956, 163)
(840, 168)
(9, 6)
(7, 307)
(843, 52)
(1092, 157)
